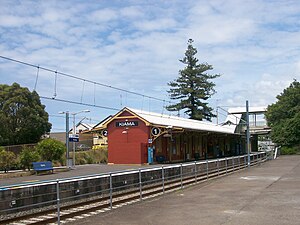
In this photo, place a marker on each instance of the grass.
(91, 156)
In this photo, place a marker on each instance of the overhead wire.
(37, 77)
(82, 91)
(228, 113)
(82, 79)
(79, 103)
(55, 80)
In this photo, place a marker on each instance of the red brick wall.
(127, 148)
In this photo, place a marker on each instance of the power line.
(79, 103)
(63, 117)
(57, 116)
(81, 79)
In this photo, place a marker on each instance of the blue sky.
(136, 45)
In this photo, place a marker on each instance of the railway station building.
(140, 137)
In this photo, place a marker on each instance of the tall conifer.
(193, 87)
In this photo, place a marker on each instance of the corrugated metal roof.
(257, 109)
(233, 119)
(174, 121)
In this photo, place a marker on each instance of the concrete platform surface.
(268, 194)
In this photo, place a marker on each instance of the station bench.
(42, 166)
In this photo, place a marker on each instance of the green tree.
(50, 149)
(23, 117)
(28, 156)
(193, 87)
(7, 159)
(284, 117)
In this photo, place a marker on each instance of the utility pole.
(67, 138)
(74, 133)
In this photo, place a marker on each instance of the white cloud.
(132, 12)
(155, 25)
(103, 15)
(136, 46)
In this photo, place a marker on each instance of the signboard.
(127, 124)
(155, 131)
(73, 137)
(150, 141)
(104, 133)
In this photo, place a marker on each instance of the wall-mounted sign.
(127, 124)
(104, 133)
(155, 131)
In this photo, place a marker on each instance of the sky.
(136, 45)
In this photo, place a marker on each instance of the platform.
(268, 194)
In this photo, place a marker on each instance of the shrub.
(7, 159)
(289, 150)
(50, 149)
(28, 156)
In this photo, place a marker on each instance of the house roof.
(156, 119)
(233, 119)
(87, 125)
(100, 124)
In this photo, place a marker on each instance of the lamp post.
(67, 138)
(68, 164)
(74, 130)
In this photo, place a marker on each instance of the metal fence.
(115, 188)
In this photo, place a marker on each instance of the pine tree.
(193, 87)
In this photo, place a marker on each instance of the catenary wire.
(82, 79)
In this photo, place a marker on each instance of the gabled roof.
(86, 125)
(233, 119)
(156, 119)
(100, 124)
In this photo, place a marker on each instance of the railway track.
(94, 206)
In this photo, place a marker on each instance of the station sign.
(104, 133)
(127, 124)
(155, 131)
(73, 137)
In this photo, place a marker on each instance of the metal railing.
(111, 188)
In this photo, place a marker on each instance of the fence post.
(239, 162)
(110, 190)
(140, 180)
(58, 202)
(226, 164)
(232, 163)
(181, 174)
(206, 169)
(218, 166)
(163, 178)
(195, 172)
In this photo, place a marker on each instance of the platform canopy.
(174, 122)
(240, 110)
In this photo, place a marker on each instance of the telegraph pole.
(67, 139)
